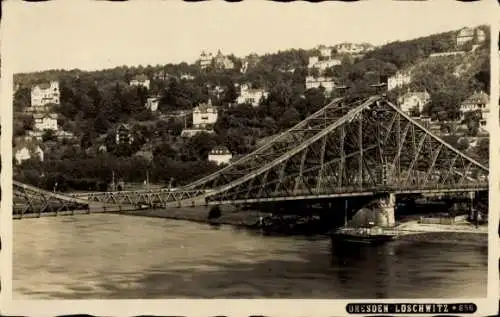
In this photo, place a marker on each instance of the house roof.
(141, 78)
(30, 145)
(220, 149)
(466, 32)
(478, 97)
(205, 107)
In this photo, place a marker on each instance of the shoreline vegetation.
(412, 230)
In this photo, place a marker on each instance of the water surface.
(104, 256)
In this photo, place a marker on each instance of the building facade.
(152, 103)
(251, 96)
(325, 82)
(205, 59)
(398, 80)
(140, 80)
(26, 151)
(123, 134)
(43, 94)
(45, 122)
(478, 102)
(414, 100)
(204, 115)
(220, 155)
(465, 35)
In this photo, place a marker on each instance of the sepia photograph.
(172, 150)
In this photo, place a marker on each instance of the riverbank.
(463, 233)
(408, 231)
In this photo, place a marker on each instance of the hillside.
(94, 103)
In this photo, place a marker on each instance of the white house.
(152, 103)
(414, 100)
(45, 122)
(465, 35)
(186, 76)
(325, 82)
(251, 96)
(205, 59)
(140, 80)
(352, 48)
(26, 151)
(325, 51)
(220, 155)
(204, 115)
(44, 94)
(398, 80)
(322, 65)
(223, 62)
(479, 101)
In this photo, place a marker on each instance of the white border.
(8, 306)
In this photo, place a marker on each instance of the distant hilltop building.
(414, 101)
(398, 80)
(322, 65)
(466, 35)
(140, 80)
(220, 155)
(205, 59)
(204, 115)
(43, 94)
(251, 96)
(325, 82)
(352, 48)
(324, 51)
(223, 62)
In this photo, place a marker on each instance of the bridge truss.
(350, 147)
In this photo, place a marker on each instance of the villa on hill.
(220, 155)
(140, 80)
(44, 94)
(26, 150)
(251, 96)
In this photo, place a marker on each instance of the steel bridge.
(350, 147)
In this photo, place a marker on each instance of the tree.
(289, 118)
(22, 99)
(49, 135)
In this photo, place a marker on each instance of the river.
(104, 256)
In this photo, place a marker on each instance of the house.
(205, 59)
(325, 51)
(223, 62)
(479, 101)
(414, 100)
(465, 35)
(140, 80)
(45, 122)
(322, 64)
(46, 93)
(187, 76)
(124, 134)
(325, 82)
(480, 35)
(251, 96)
(152, 103)
(352, 48)
(398, 80)
(27, 150)
(204, 115)
(220, 155)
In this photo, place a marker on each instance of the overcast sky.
(94, 35)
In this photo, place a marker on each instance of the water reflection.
(110, 256)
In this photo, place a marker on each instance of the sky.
(86, 34)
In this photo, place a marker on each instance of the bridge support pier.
(386, 214)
